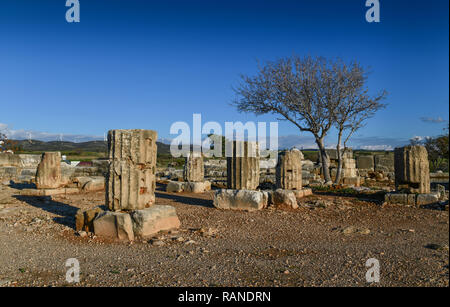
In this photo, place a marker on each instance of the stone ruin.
(243, 166)
(130, 183)
(193, 168)
(412, 169)
(349, 172)
(193, 176)
(289, 179)
(289, 170)
(130, 191)
(412, 177)
(49, 180)
(48, 174)
(376, 168)
(241, 194)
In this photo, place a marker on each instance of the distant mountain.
(91, 146)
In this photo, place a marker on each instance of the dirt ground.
(326, 242)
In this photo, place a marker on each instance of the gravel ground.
(324, 243)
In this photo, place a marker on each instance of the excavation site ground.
(325, 242)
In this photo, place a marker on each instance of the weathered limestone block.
(302, 193)
(411, 199)
(384, 162)
(131, 176)
(284, 198)
(84, 219)
(365, 163)
(194, 187)
(95, 184)
(349, 168)
(332, 154)
(355, 181)
(193, 167)
(426, 199)
(48, 175)
(114, 225)
(412, 169)
(175, 186)
(157, 218)
(9, 172)
(289, 170)
(90, 184)
(9, 159)
(396, 198)
(241, 199)
(243, 166)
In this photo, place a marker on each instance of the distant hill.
(91, 146)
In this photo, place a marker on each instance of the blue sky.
(146, 64)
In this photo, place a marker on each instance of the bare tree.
(305, 91)
(354, 109)
(7, 145)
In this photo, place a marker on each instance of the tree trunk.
(339, 156)
(324, 160)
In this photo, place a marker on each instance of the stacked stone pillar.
(243, 166)
(349, 168)
(289, 170)
(412, 169)
(130, 183)
(48, 175)
(193, 168)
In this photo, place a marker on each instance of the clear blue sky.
(145, 64)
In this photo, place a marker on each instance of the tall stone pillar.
(349, 168)
(412, 169)
(243, 166)
(193, 168)
(289, 170)
(48, 175)
(130, 183)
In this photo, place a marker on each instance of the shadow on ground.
(66, 212)
(21, 186)
(179, 198)
(377, 197)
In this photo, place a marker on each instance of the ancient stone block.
(131, 176)
(384, 162)
(240, 199)
(412, 169)
(289, 170)
(426, 199)
(48, 175)
(191, 187)
(114, 225)
(332, 154)
(355, 181)
(243, 166)
(284, 198)
(84, 219)
(9, 159)
(157, 218)
(95, 184)
(396, 198)
(194, 187)
(365, 163)
(349, 168)
(193, 167)
(175, 186)
(302, 193)
(9, 172)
